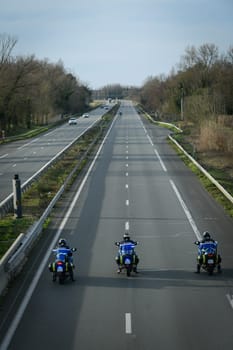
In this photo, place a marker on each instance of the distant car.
(72, 121)
(85, 115)
(105, 107)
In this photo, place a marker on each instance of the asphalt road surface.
(25, 158)
(137, 184)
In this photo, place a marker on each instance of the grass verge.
(222, 178)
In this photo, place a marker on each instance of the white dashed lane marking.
(128, 323)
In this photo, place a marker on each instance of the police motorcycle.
(208, 259)
(127, 259)
(62, 267)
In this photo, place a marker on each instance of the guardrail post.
(17, 197)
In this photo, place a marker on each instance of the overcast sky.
(116, 41)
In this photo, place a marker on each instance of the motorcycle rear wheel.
(61, 278)
(128, 271)
(210, 270)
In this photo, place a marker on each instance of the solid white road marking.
(156, 152)
(187, 212)
(128, 323)
(10, 333)
(160, 160)
(151, 142)
(230, 299)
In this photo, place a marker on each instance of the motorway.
(25, 158)
(136, 183)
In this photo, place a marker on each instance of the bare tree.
(7, 43)
(206, 55)
(230, 55)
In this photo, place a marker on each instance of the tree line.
(198, 93)
(32, 91)
(203, 82)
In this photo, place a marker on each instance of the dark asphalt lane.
(132, 186)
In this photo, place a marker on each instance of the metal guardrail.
(211, 178)
(12, 262)
(7, 204)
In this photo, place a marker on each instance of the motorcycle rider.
(62, 243)
(64, 249)
(207, 238)
(126, 239)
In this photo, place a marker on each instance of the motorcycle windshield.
(208, 248)
(127, 249)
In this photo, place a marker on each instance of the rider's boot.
(71, 273)
(198, 268)
(54, 277)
